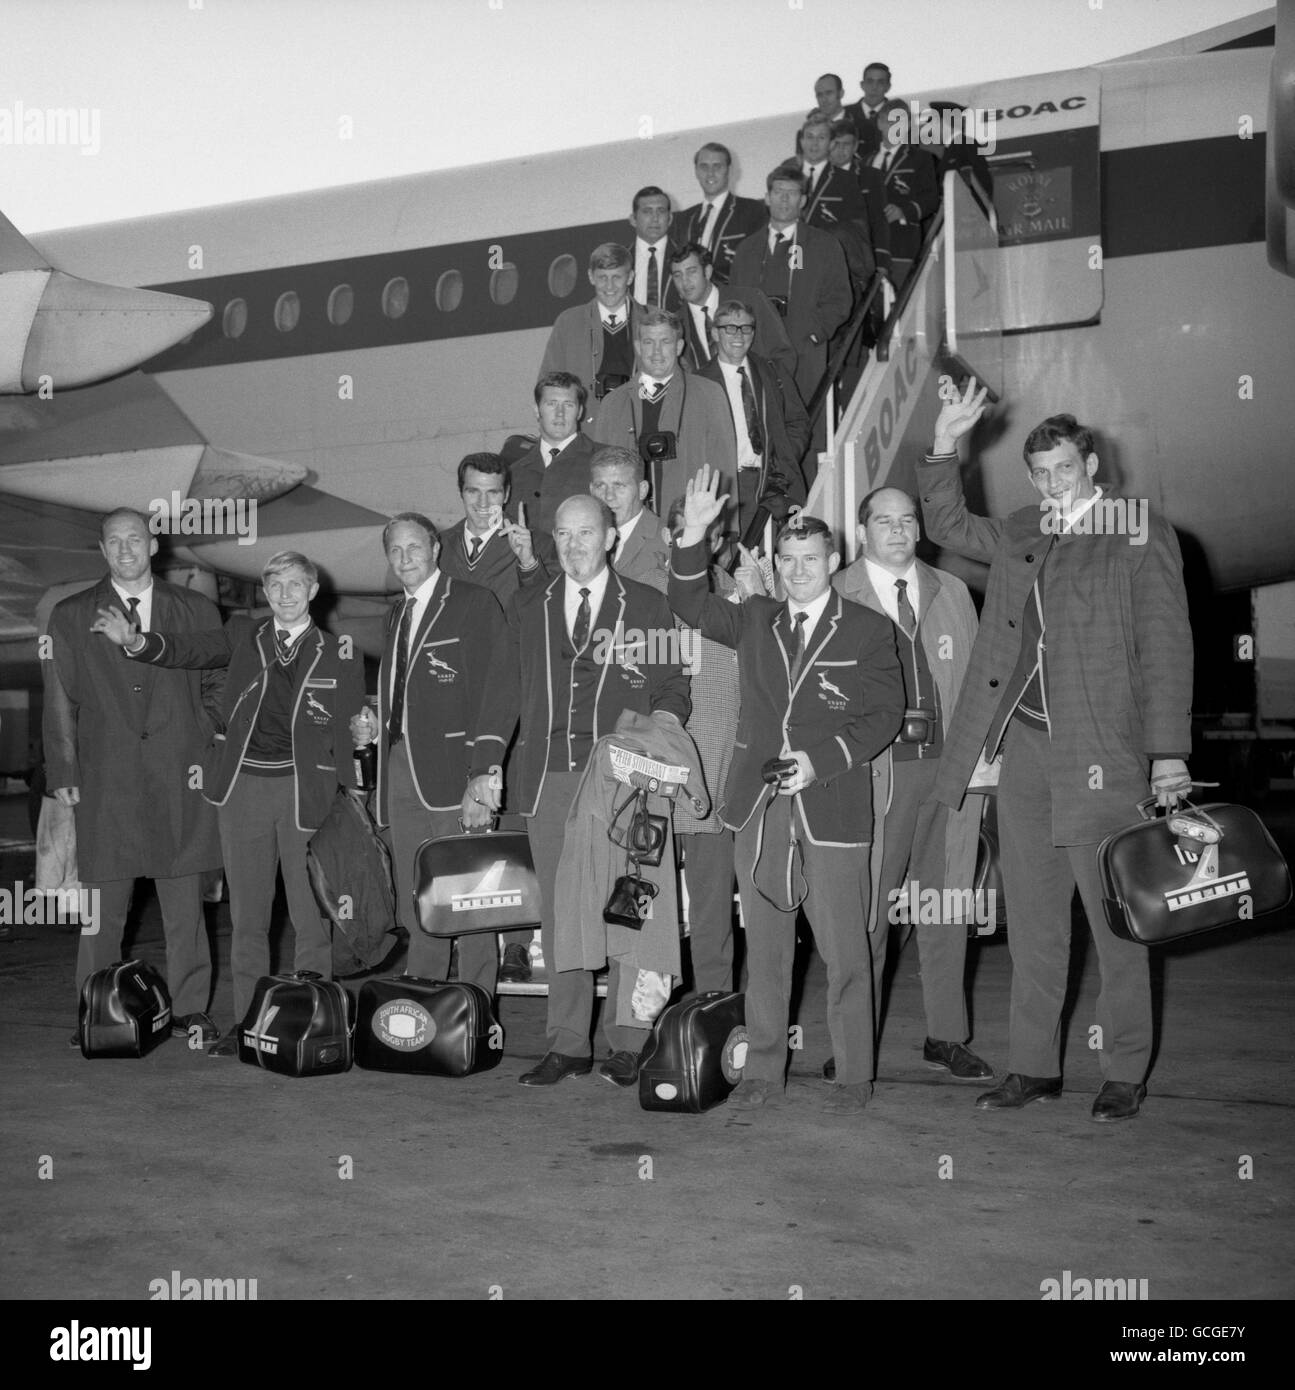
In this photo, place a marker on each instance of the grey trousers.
(571, 992)
(188, 952)
(836, 907)
(258, 834)
(1039, 881)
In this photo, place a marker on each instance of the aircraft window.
(449, 291)
(562, 276)
(341, 304)
(234, 319)
(503, 283)
(395, 297)
(287, 311)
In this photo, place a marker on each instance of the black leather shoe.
(957, 1059)
(1118, 1100)
(516, 967)
(75, 1039)
(181, 1024)
(226, 1045)
(829, 1069)
(554, 1067)
(1016, 1090)
(621, 1068)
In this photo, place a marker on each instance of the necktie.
(284, 643)
(753, 430)
(396, 724)
(703, 234)
(580, 633)
(133, 616)
(798, 656)
(475, 551)
(554, 451)
(703, 337)
(654, 280)
(613, 322)
(907, 618)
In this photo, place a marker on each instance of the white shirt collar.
(883, 583)
(597, 587)
(648, 382)
(145, 610)
(813, 170)
(620, 314)
(546, 449)
(623, 533)
(424, 590)
(470, 535)
(293, 630)
(775, 235)
(815, 610)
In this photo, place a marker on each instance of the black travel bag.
(125, 1011)
(695, 1054)
(297, 1025)
(1190, 871)
(439, 1029)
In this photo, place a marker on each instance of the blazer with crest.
(786, 431)
(632, 626)
(328, 689)
(845, 707)
(459, 708)
(737, 218)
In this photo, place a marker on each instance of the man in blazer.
(867, 113)
(479, 548)
(769, 420)
(594, 341)
(574, 675)
(642, 549)
(803, 271)
(651, 217)
(699, 293)
(119, 748)
(935, 627)
(821, 689)
(661, 401)
(445, 713)
(909, 189)
(721, 220)
(557, 465)
(275, 770)
(1082, 676)
(835, 201)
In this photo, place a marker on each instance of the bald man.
(572, 692)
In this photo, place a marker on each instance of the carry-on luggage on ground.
(415, 1025)
(297, 1025)
(1190, 871)
(125, 1011)
(695, 1055)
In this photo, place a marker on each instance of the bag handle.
(770, 798)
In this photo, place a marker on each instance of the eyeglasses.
(736, 330)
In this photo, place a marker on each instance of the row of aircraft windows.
(448, 295)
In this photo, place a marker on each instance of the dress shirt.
(623, 533)
(597, 587)
(884, 583)
(422, 597)
(746, 456)
(145, 604)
